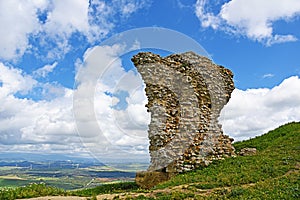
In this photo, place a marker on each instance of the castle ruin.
(186, 93)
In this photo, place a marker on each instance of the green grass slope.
(273, 173)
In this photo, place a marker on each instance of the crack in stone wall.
(186, 93)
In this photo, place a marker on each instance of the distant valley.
(19, 169)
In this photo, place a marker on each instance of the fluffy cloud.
(253, 19)
(51, 24)
(13, 80)
(27, 125)
(106, 130)
(255, 111)
(17, 20)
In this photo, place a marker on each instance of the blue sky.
(46, 44)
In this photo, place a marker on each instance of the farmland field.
(63, 174)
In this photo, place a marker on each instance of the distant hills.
(34, 157)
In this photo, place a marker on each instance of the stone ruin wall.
(186, 93)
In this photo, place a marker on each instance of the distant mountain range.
(17, 156)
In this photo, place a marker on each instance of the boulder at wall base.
(147, 180)
(186, 93)
(248, 151)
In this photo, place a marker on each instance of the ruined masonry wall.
(186, 93)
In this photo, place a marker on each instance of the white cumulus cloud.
(109, 132)
(14, 80)
(28, 26)
(17, 20)
(253, 19)
(255, 111)
(28, 125)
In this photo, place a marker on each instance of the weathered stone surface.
(186, 93)
(248, 151)
(149, 179)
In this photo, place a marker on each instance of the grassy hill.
(273, 173)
